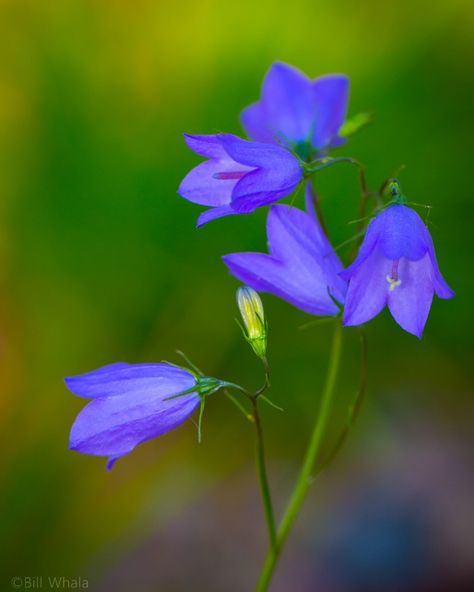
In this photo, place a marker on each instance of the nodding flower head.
(396, 266)
(239, 176)
(306, 115)
(133, 403)
(301, 268)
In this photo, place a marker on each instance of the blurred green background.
(100, 261)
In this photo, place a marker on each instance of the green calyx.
(303, 150)
(393, 191)
(206, 385)
(259, 345)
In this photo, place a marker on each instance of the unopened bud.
(255, 327)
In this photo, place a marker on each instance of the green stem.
(305, 477)
(364, 197)
(317, 207)
(266, 384)
(239, 405)
(262, 477)
(355, 408)
(329, 161)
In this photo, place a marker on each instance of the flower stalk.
(305, 476)
(262, 476)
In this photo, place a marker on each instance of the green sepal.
(258, 344)
(392, 190)
(200, 418)
(205, 385)
(271, 403)
(355, 123)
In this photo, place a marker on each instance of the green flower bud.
(253, 316)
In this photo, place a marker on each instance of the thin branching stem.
(354, 409)
(305, 476)
(317, 207)
(262, 476)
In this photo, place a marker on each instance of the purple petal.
(331, 95)
(201, 187)
(294, 109)
(410, 302)
(110, 463)
(206, 184)
(287, 103)
(398, 232)
(439, 283)
(249, 174)
(87, 385)
(254, 123)
(368, 289)
(122, 378)
(215, 213)
(401, 233)
(337, 285)
(297, 237)
(263, 187)
(297, 285)
(206, 145)
(291, 231)
(366, 249)
(277, 173)
(302, 267)
(257, 154)
(113, 426)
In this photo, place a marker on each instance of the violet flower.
(239, 176)
(132, 403)
(396, 266)
(303, 114)
(302, 268)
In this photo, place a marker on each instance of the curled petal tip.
(111, 462)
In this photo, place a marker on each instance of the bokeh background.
(100, 261)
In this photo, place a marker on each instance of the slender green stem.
(262, 477)
(356, 406)
(364, 197)
(364, 193)
(266, 384)
(317, 207)
(305, 477)
(239, 405)
(201, 415)
(319, 165)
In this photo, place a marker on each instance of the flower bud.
(255, 327)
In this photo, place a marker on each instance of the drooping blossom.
(302, 268)
(239, 177)
(304, 114)
(396, 266)
(131, 404)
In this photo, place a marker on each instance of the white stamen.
(393, 283)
